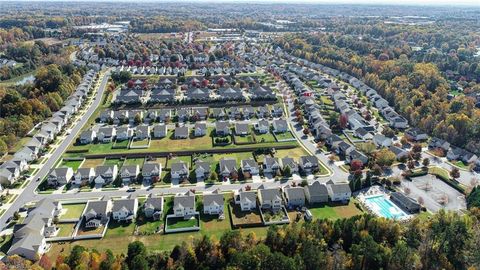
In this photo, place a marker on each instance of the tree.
(417, 148)
(139, 263)
(3, 147)
(135, 249)
(213, 176)
(426, 162)
(306, 131)
(138, 119)
(455, 173)
(343, 121)
(411, 164)
(45, 262)
(356, 165)
(384, 157)
(287, 172)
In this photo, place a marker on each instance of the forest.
(445, 240)
(416, 82)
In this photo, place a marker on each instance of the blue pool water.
(385, 207)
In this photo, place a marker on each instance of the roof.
(270, 194)
(309, 159)
(154, 202)
(340, 188)
(294, 193)
(215, 198)
(404, 200)
(317, 188)
(181, 131)
(60, 172)
(202, 164)
(151, 167)
(186, 200)
(179, 166)
(227, 165)
(99, 207)
(128, 204)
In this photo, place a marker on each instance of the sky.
(381, 2)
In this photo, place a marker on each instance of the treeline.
(417, 89)
(25, 105)
(445, 240)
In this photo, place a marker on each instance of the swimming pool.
(384, 207)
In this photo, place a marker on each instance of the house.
(124, 133)
(262, 126)
(415, 134)
(199, 113)
(263, 112)
(142, 132)
(280, 126)
(129, 173)
(277, 111)
(333, 140)
(289, 163)
(269, 198)
(439, 143)
(87, 136)
(200, 129)
(354, 154)
(164, 115)
(181, 132)
(105, 174)
(151, 171)
(97, 213)
(125, 209)
(454, 153)
(242, 129)
(218, 113)
(183, 114)
(316, 193)
(84, 176)
(60, 176)
(338, 191)
(213, 203)
(120, 117)
(262, 93)
(363, 134)
(9, 176)
(250, 166)
(294, 196)
(179, 170)
(227, 167)
(160, 131)
(202, 170)
(405, 202)
(153, 207)
(309, 164)
(381, 140)
(399, 152)
(184, 205)
(247, 199)
(106, 134)
(222, 128)
(271, 165)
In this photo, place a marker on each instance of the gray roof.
(249, 162)
(98, 207)
(216, 197)
(186, 200)
(309, 159)
(151, 168)
(103, 169)
(179, 166)
(270, 194)
(241, 128)
(202, 164)
(293, 193)
(317, 188)
(227, 165)
(181, 131)
(154, 202)
(128, 204)
(340, 188)
(271, 161)
(250, 196)
(60, 172)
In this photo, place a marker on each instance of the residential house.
(142, 132)
(125, 209)
(271, 165)
(160, 131)
(381, 140)
(213, 203)
(84, 176)
(200, 129)
(202, 170)
(405, 202)
(181, 132)
(415, 134)
(97, 213)
(290, 163)
(87, 136)
(60, 176)
(363, 134)
(338, 191)
(129, 173)
(228, 167)
(218, 113)
(294, 196)
(316, 193)
(262, 127)
(309, 164)
(179, 170)
(280, 126)
(105, 174)
(269, 198)
(399, 152)
(242, 129)
(222, 128)
(354, 154)
(250, 166)
(151, 171)
(124, 133)
(106, 134)
(247, 199)
(184, 205)
(153, 207)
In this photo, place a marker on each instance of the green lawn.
(294, 153)
(262, 138)
(150, 226)
(72, 210)
(113, 161)
(74, 164)
(177, 223)
(66, 229)
(121, 144)
(140, 143)
(284, 136)
(244, 139)
(186, 159)
(335, 210)
(439, 171)
(237, 156)
(135, 161)
(461, 164)
(119, 229)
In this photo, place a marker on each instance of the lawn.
(186, 159)
(114, 161)
(121, 144)
(461, 165)
(284, 136)
(74, 164)
(192, 143)
(335, 210)
(178, 223)
(66, 229)
(267, 137)
(150, 226)
(439, 171)
(92, 162)
(238, 156)
(119, 229)
(135, 161)
(72, 210)
(294, 153)
(139, 143)
(241, 218)
(244, 139)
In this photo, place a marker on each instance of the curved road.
(28, 193)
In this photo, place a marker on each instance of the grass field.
(121, 144)
(294, 153)
(461, 164)
(135, 161)
(92, 162)
(177, 223)
(114, 161)
(74, 164)
(66, 229)
(119, 229)
(439, 171)
(244, 139)
(261, 138)
(72, 210)
(284, 136)
(186, 159)
(139, 143)
(335, 211)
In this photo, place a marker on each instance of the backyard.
(284, 136)
(244, 218)
(74, 164)
(180, 223)
(71, 211)
(65, 229)
(335, 210)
